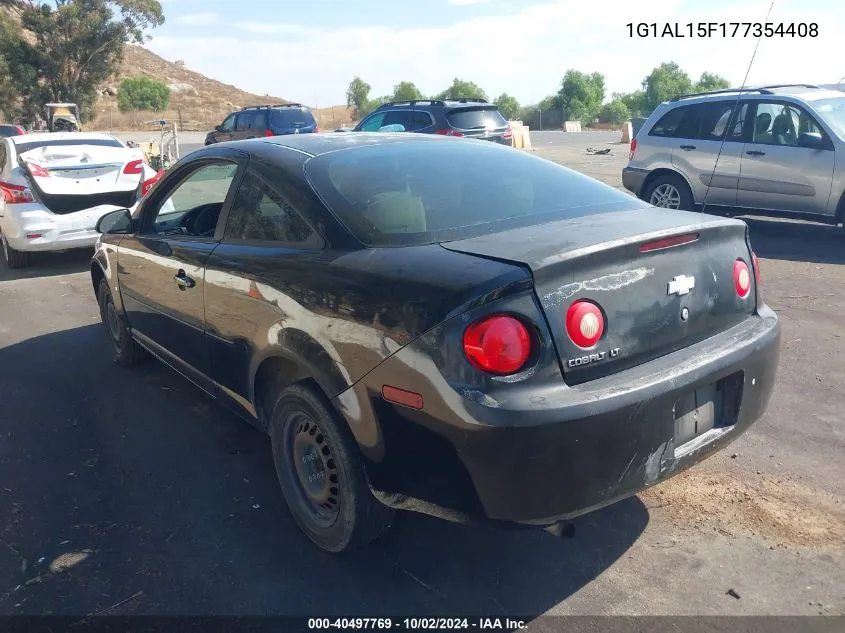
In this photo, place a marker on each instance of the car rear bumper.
(633, 179)
(565, 451)
(29, 227)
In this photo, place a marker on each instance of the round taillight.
(742, 278)
(497, 344)
(584, 323)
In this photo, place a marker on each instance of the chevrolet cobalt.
(434, 324)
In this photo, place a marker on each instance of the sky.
(309, 50)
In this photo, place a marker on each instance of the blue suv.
(264, 120)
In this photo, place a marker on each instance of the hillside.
(196, 103)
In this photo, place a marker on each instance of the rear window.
(705, 121)
(99, 142)
(477, 118)
(291, 117)
(423, 192)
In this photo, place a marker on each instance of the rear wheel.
(669, 191)
(126, 351)
(322, 474)
(13, 258)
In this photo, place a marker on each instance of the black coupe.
(442, 325)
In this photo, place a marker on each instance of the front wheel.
(127, 352)
(669, 191)
(322, 474)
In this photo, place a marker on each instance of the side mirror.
(115, 222)
(812, 140)
(218, 128)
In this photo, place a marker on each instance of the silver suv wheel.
(666, 196)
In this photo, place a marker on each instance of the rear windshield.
(291, 117)
(429, 191)
(99, 142)
(477, 118)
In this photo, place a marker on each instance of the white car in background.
(56, 186)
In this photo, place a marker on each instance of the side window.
(194, 206)
(669, 123)
(260, 122)
(2, 155)
(373, 123)
(260, 213)
(228, 124)
(419, 121)
(246, 121)
(398, 117)
(714, 120)
(782, 124)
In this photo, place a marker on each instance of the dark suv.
(264, 120)
(473, 118)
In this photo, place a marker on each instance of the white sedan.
(56, 186)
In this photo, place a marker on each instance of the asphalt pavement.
(127, 490)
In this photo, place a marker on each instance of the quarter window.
(259, 213)
(419, 121)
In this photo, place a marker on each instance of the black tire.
(13, 258)
(126, 351)
(670, 182)
(339, 513)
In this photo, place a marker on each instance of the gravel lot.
(130, 488)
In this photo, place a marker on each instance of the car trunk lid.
(71, 178)
(655, 299)
(483, 122)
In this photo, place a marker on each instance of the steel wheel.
(113, 323)
(314, 469)
(666, 196)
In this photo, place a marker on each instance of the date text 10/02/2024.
(722, 29)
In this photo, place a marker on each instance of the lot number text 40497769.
(722, 29)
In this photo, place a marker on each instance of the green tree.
(615, 112)
(406, 91)
(462, 89)
(358, 96)
(665, 82)
(711, 81)
(581, 95)
(72, 46)
(508, 106)
(634, 101)
(142, 93)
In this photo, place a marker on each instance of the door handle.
(687, 147)
(183, 281)
(755, 153)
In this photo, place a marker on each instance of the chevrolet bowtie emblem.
(681, 285)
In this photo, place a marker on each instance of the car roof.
(804, 92)
(61, 136)
(317, 144)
